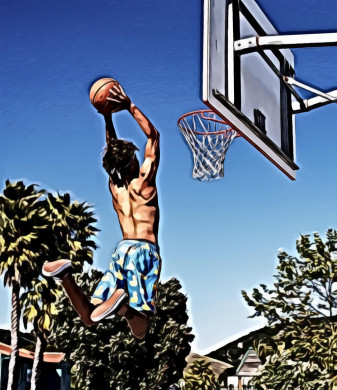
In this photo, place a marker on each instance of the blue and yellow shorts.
(135, 267)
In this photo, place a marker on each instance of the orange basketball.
(99, 93)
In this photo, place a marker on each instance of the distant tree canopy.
(302, 307)
(200, 376)
(107, 356)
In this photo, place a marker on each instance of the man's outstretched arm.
(110, 131)
(152, 151)
(152, 146)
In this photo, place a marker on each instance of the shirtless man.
(129, 286)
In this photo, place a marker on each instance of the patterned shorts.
(134, 267)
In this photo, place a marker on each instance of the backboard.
(246, 89)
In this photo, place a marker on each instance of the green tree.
(34, 227)
(67, 234)
(200, 376)
(302, 308)
(107, 356)
(21, 220)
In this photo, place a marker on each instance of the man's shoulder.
(117, 190)
(142, 189)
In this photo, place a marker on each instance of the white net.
(209, 138)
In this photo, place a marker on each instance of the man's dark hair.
(118, 156)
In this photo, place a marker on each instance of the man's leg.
(78, 299)
(137, 321)
(60, 270)
(84, 307)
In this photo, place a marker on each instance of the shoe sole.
(112, 309)
(56, 272)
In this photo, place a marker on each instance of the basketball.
(99, 93)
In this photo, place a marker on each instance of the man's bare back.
(137, 210)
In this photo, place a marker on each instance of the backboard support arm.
(249, 45)
(259, 44)
(324, 95)
(315, 102)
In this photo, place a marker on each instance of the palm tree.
(34, 227)
(68, 233)
(21, 220)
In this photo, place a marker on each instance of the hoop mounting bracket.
(249, 45)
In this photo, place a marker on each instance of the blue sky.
(218, 237)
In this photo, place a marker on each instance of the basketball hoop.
(209, 138)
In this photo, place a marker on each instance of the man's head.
(120, 161)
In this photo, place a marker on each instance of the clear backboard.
(247, 89)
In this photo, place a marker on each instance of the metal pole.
(249, 45)
(315, 102)
(292, 81)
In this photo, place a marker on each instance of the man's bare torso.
(137, 210)
(136, 202)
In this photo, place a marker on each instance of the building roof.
(249, 364)
(26, 347)
(48, 357)
(234, 351)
